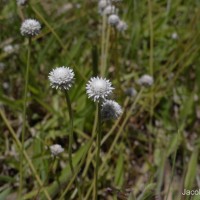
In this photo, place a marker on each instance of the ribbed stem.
(98, 141)
(24, 116)
(71, 140)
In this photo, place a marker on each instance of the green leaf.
(119, 172)
(54, 188)
(174, 143)
(4, 194)
(148, 193)
(191, 171)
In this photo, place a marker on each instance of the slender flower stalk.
(98, 142)
(71, 131)
(98, 89)
(63, 78)
(103, 38)
(24, 115)
(29, 28)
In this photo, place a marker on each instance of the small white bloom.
(113, 19)
(146, 80)
(131, 92)
(8, 48)
(121, 26)
(30, 28)
(56, 149)
(110, 110)
(102, 4)
(98, 88)
(61, 78)
(174, 36)
(6, 85)
(110, 9)
(21, 2)
(2, 66)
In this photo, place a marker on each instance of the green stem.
(98, 150)
(71, 131)
(24, 116)
(103, 37)
(151, 70)
(71, 140)
(105, 57)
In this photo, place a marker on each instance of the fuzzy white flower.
(98, 88)
(8, 48)
(121, 26)
(131, 92)
(110, 9)
(145, 80)
(102, 4)
(61, 78)
(11, 48)
(113, 19)
(21, 2)
(30, 28)
(110, 110)
(2, 66)
(174, 36)
(56, 149)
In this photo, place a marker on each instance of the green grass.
(151, 150)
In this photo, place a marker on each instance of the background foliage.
(152, 151)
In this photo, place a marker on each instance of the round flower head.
(145, 80)
(131, 92)
(61, 78)
(110, 110)
(110, 9)
(113, 19)
(102, 4)
(30, 28)
(122, 26)
(98, 88)
(21, 2)
(56, 149)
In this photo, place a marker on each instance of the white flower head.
(102, 4)
(30, 28)
(174, 36)
(61, 78)
(145, 80)
(56, 149)
(2, 66)
(113, 19)
(121, 26)
(8, 48)
(110, 9)
(98, 88)
(131, 92)
(21, 2)
(110, 110)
